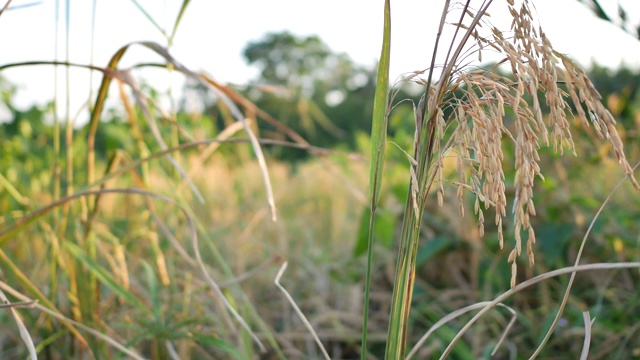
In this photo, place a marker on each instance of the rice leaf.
(378, 154)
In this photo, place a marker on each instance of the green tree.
(319, 93)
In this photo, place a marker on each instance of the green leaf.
(383, 230)
(185, 3)
(378, 152)
(379, 126)
(218, 344)
(432, 248)
(153, 291)
(149, 17)
(553, 240)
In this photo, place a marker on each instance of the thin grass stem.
(299, 312)
(530, 282)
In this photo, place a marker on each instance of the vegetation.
(148, 232)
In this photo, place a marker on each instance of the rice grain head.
(537, 69)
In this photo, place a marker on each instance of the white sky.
(213, 33)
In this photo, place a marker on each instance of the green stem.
(406, 263)
(403, 285)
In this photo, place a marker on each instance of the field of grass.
(156, 233)
(148, 296)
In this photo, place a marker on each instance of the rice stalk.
(251, 108)
(236, 114)
(94, 6)
(13, 192)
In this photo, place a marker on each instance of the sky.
(213, 34)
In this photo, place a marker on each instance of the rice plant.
(471, 114)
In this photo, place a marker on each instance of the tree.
(303, 65)
(317, 92)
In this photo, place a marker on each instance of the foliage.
(320, 94)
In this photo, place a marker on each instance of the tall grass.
(88, 263)
(134, 267)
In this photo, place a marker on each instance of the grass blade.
(10, 268)
(149, 17)
(70, 323)
(528, 283)
(24, 333)
(588, 323)
(299, 312)
(454, 315)
(103, 275)
(98, 107)
(217, 344)
(185, 3)
(378, 152)
(565, 298)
